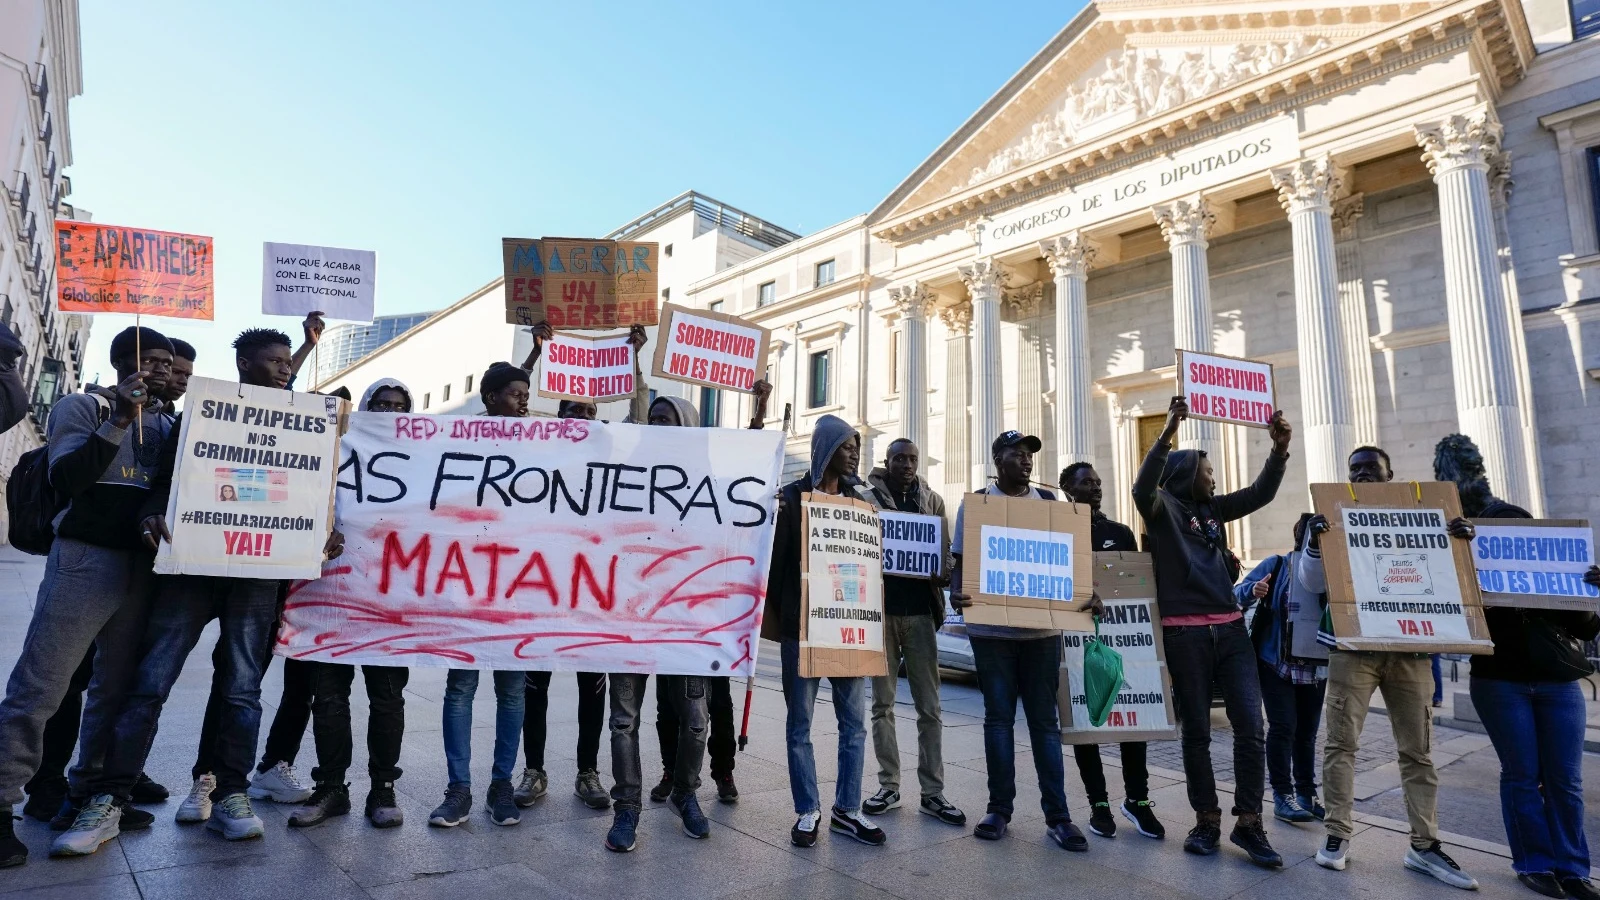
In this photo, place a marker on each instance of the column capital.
(1500, 181)
(1309, 184)
(1024, 302)
(1069, 255)
(1465, 140)
(912, 301)
(1346, 213)
(957, 318)
(1185, 221)
(982, 276)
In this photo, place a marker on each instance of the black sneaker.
(1250, 836)
(134, 818)
(943, 810)
(1068, 837)
(327, 801)
(662, 791)
(146, 791)
(853, 826)
(502, 806)
(881, 802)
(1205, 835)
(588, 789)
(382, 809)
(12, 851)
(1543, 883)
(803, 834)
(45, 801)
(1142, 813)
(67, 814)
(1101, 821)
(727, 791)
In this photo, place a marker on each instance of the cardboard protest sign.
(136, 271)
(1397, 580)
(539, 543)
(1026, 562)
(1226, 389)
(297, 279)
(841, 588)
(596, 370)
(580, 282)
(1132, 627)
(252, 496)
(711, 349)
(913, 544)
(1535, 563)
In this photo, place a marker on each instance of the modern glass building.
(345, 345)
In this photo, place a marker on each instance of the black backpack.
(32, 502)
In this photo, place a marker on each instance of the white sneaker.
(279, 785)
(197, 806)
(1334, 853)
(97, 822)
(1433, 861)
(235, 820)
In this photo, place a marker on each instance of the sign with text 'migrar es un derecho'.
(580, 282)
(548, 544)
(253, 487)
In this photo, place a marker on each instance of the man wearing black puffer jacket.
(1206, 641)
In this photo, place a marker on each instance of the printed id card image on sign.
(1535, 563)
(1226, 389)
(252, 485)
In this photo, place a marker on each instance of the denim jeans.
(247, 609)
(1009, 670)
(330, 720)
(1294, 713)
(459, 687)
(1537, 728)
(849, 709)
(1199, 656)
(721, 741)
(687, 695)
(591, 717)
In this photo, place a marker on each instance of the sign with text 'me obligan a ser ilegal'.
(581, 282)
(596, 370)
(133, 271)
(1397, 580)
(252, 496)
(1026, 563)
(841, 588)
(1131, 626)
(1226, 389)
(710, 349)
(1535, 563)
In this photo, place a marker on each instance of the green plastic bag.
(1102, 677)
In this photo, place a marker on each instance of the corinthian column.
(1500, 187)
(1306, 190)
(1186, 224)
(1482, 351)
(982, 278)
(1025, 304)
(957, 472)
(1070, 257)
(912, 302)
(1353, 316)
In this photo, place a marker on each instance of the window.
(666, 295)
(824, 272)
(427, 400)
(716, 306)
(1591, 159)
(446, 398)
(710, 407)
(819, 394)
(1585, 18)
(468, 388)
(894, 362)
(667, 251)
(766, 293)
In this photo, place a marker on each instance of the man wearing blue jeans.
(835, 453)
(1017, 663)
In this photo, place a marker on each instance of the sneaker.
(881, 802)
(991, 828)
(1312, 804)
(587, 787)
(1579, 888)
(1335, 853)
(45, 802)
(279, 785)
(197, 806)
(147, 791)
(1433, 861)
(1287, 808)
(67, 814)
(663, 790)
(943, 810)
(233, 818)
(327, 801)
(383, 810)
(624, 827)
(531, 788)
(455, 809)
(687, 807)
(1249, 835)
(501, 805)
(13, 852)
(1205, 835)
(1068, 837)
(1142, 813)
(1101, 822)
(804, 832)
(853, 826)
(727, 791)
(97, 823)
(134, 818)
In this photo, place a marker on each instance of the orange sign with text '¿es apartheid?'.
(136, 271)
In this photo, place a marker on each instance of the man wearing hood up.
(1206, 641)
(835, 454)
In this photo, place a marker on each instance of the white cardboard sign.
(597, 370)
(1404, 574)
(297, 279)
(912, 544)
(1226, 389)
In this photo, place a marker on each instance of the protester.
(183, 357)
(104, 449)
(1406, 681)
(913, 610)
(835, 454)
(504, 389)
(330, 707)
(1206, 641)
(1017, 663)
(14, 404)
(1527, 695)
(247, 609)
(1292, 688)
(1081, 483)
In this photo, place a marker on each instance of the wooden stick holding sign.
(1131, 626)
(1027, 563)
(1227, 389)
(594, 370)
(1535, 563)
(710, 349)
(841, 588)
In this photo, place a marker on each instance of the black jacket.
(1109, 535)
(781, 616)
(1195, 570)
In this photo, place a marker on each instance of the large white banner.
(552, 544)
(297, 279)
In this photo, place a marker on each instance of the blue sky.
(427, 131)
